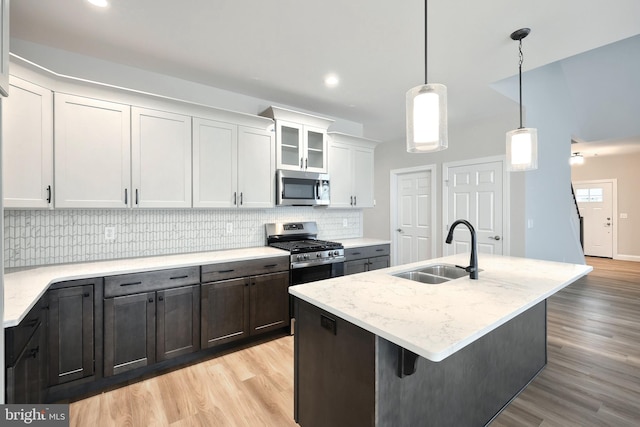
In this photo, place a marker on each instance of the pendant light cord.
(425, 42)
(520, 80)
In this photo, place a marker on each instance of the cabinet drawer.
(366, 252)
(127, 284)
(232, 270)
(18, 336)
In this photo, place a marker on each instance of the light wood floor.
(592, 377)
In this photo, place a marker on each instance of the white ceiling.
(280, 50)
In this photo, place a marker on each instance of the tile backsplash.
(40, 237)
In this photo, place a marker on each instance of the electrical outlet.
(229, 228)
(109, 234)
(345, 223)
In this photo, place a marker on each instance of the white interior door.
(595, 200)
(414, 226)
(474, 192)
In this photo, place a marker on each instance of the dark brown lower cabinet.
(368, 258)
(26, 378)
(145, 328)
(71, 333)
(237, 308)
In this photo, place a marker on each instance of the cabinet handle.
(131, 284)
(356, 253)
(34, 352)
(48, 194)
(270, 265)
(126, 196)
(136, 197)
(150, 299)
(306, 163)
(355, 200)
(301, 162)
(235, 201)
(380, 250)
(241, 198)
(351, 202)
(86, 294)
(226, 271)
(179, 277)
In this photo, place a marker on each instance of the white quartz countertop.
(361, 241)
(435, 321)
(23, 287)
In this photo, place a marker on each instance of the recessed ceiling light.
(99, 3)
(331, 80)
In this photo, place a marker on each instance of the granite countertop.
(435, 321)
(362, 241)
(24, 286)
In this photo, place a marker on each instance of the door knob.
(399, 230)
(494, 237)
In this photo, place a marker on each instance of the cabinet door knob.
(150, 299)
(160, 298)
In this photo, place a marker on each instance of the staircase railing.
(581, 219)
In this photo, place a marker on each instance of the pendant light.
(426, 112)
(522, 143)
(576, 159)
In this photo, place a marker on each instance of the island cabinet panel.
(71, 333)
(469, 387)
(334, 370)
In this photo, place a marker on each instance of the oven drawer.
(366, 252)
(231, 270)
(127, 284)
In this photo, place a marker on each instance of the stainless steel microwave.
(297, 188)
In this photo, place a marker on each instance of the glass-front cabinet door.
(290, 153)
(316, 150)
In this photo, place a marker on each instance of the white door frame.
(506, 199)
(614, 208)
(394, 210)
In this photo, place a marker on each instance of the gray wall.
(625, 169)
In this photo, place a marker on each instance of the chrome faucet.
(472, 269)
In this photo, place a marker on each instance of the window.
(589, 195)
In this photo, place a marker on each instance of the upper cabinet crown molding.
(279, 113)
(352, 139)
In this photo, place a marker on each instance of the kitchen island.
(379, 350)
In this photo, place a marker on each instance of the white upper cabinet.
(4, 47)
(301, 140)
(233, 166)
(351, 168)
(256, 171)
(27, 143)
(215, 164)
(92, 153)
(160, 159)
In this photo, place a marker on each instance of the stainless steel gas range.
(310, 258)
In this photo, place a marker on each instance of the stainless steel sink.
(445, 270)
(418, 276)
(434, 274)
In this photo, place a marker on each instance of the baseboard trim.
(620, 257)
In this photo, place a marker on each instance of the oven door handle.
(312, 263)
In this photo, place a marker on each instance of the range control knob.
(319, 255)
(336, 253)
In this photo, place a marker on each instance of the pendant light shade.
(427, 118)
(522, 143)
(426, 112)
(576, 159)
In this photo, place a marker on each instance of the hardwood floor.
(592, 377)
